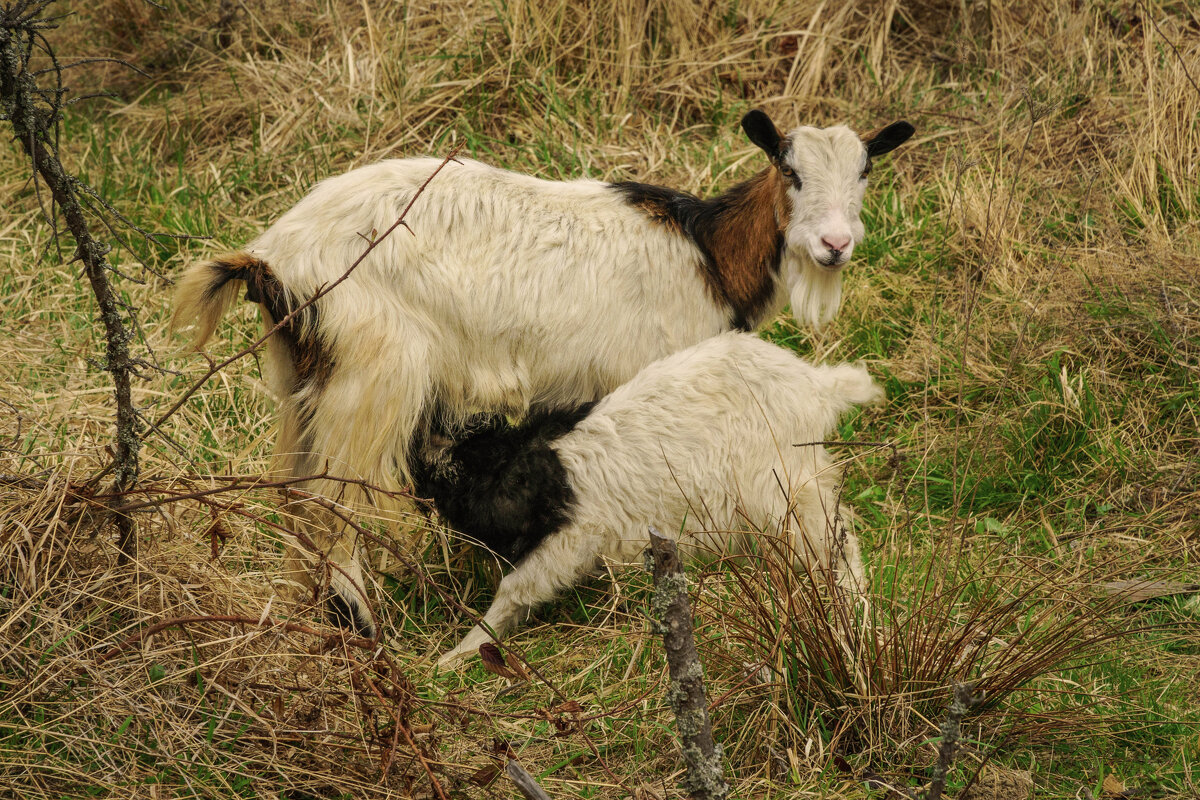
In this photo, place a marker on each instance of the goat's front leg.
(553, 566)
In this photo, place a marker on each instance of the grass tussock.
(867, 677)
(1027, 293)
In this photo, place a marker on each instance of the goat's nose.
(836, 244)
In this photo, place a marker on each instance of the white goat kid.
(514, 292)
(701, 441)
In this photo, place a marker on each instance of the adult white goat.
(516, 293)
(700, 442)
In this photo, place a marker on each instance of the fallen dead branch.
(524, 781)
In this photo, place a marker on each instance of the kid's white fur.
(702, 442)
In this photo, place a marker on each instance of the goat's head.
(823, 174)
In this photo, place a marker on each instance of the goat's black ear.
(762, 131)
(888, 139)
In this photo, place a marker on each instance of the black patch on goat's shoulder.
(502, 485)
(737, 234)
(669, 207)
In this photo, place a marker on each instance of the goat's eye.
(787, 171)
(866, 171)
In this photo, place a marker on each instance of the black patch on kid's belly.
(502, 485)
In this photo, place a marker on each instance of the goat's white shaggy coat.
(701, 442)
(513, 292)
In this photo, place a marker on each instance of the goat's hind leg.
(356, 433)
(321, 557)
(827, 533)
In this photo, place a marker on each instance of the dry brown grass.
(1007, 248)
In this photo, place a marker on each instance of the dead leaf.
(493, 660)
(485, 775)
(569, 707)
(1112, 786)
(516, 668)
(217, 534)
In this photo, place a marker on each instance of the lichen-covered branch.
(672, 612)
(33, 112)
(964, 700)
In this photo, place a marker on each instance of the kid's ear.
(762, 132)
(885, 140)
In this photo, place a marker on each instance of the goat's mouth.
(830, 262)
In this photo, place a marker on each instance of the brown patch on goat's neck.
(739, 235)
(744, 240)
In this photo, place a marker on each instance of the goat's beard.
(816, 292)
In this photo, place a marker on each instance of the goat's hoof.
(454, 659)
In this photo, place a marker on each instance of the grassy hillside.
(1029, 294)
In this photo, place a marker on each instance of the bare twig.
(672, 613)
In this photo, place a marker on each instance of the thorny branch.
(232, 483)
(210, 497)
(165, 492)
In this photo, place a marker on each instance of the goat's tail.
(207, 289)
